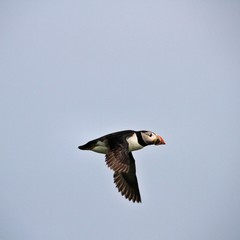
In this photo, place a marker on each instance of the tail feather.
(87, 146)
(83, 147)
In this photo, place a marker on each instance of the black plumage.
(118, 148)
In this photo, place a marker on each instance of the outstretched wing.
(127, 183)
(117, 158)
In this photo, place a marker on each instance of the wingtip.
(135, 200)
(126, 190)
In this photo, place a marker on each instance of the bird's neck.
(133, 143)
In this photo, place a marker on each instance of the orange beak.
(159, 140)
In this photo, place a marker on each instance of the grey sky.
(71, 71)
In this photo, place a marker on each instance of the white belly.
(100, 148)
(133, 144)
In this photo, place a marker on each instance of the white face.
(149, 137)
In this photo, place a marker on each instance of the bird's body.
(101, 145)
(118, 147)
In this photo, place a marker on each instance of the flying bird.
(118, 148)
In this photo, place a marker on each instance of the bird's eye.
(150, 134)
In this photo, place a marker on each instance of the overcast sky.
(72, 71)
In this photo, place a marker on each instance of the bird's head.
(152, 138)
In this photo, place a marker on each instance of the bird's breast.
(133, 144)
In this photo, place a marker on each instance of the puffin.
(118, 148)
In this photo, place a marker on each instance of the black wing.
(127, 183)
(117, 157)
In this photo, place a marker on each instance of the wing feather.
(117, 157)
(127, 183)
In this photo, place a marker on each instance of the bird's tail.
(87, 146)
(84, 147)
